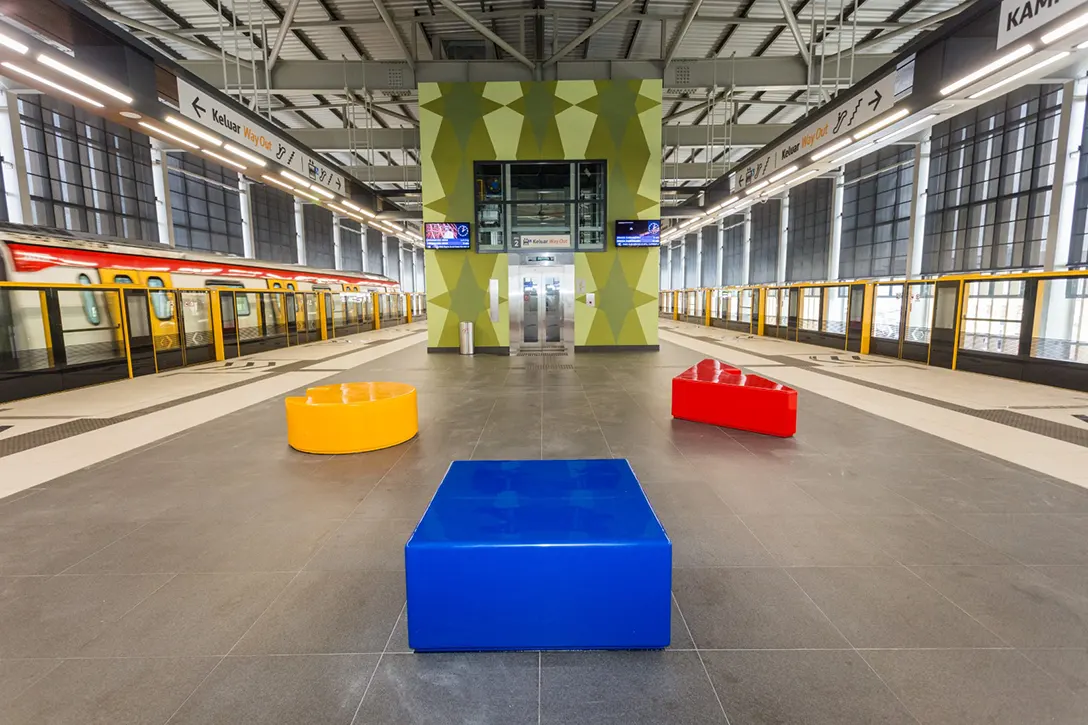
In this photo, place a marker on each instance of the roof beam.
(464, 16)
(318, 76)
(599, 23)
(689, 17)
(394, 29)
(281, 34)
(335, 140)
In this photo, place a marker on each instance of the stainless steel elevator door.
(553, 309)
(530, 284)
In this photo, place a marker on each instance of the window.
(990, 183)
(160, 301)
(85, 173)
(90, 305)
(765, 231)
(122, 279)
(317, 223)
(992, 315)
(205, 205)
(809, 231)
(241, 302)
(877, 194)
(273, 224)
(553, 205)
(811, 302)
(733, 250)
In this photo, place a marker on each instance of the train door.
(942, 346)
(793, 311)
(164, 321)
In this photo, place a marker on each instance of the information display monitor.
(447, 235)
(638, 233)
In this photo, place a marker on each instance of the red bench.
(715, 393)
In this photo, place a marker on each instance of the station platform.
(917, 553)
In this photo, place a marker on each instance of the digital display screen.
(447, 235)
(638, 233)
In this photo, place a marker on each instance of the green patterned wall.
(617, 121)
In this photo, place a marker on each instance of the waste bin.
(468, 337)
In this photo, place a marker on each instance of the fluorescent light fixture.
(1083, 45)
(339, 209)
(277, 182)
(83, 78)
(163, 132)
(881, 123)
(394, 227)
(1018, 76)
(714, 210)
(189, 128)
(367, 213)
(805, 177)
(51, 84)
(296, 180)
(351, 205)
(782, 174)
(775, 190)
(757, 187)
(838, 145)
(324, 192)
(225, 160)
(1066, 28)
(909, 126)
(305, 193)
(731, 200)
(13, 44)
(856, 153)
(240, 153)
(987, 69)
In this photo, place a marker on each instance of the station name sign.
(197, 105)
(1023, 17)
(836, 124)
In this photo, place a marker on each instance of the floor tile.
(1023, 607)
(809, 688)
(887, 607)
(437, 689)
(329, 612)
(293, 690)
(52, 548)
(109, 691)
(745, 608)
(857, 495)
(925, 540)
(397, 501)
(66, 612)
(1071, 578)
(17, 676)
(362, 543)
(717, 541)
(684, 499)
(13, 587)
(1067, 666)
(626, 687)
(974, 687)
(761, 494)
(816, 540)
(1028, 538)
(263, 546)
(193, 614)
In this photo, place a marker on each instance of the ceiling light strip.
(193, 130)
(84, 78)
(838, 145)
(13, 44)
(225, 160)
(881, 123)
(166, 134)
(1066, 28)
(241, 153)
(1018, 76)
(987, 69)
(52, 84)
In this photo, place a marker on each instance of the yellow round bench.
(352, 417)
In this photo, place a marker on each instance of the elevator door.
(542, 308)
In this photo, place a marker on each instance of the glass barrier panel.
(196, 318)
(920, 312)
(887, 311)
(24, 337)
(248, 315)
(84, 341)
(837, 304)
(745, 307)
(810, 308)
(772, 307)
(698, 302)
(1061, 330)
(992, 314)
(311, 313)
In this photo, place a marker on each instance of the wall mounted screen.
(447, 235)
(638, 233)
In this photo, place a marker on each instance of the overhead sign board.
(1020, 18)
(199, 106)
(874, 100)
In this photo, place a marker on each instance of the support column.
(783, 237)
(834, 252)
(699, 258)
(1066, 164)
(385, 262)
(336, 239)
(13, 158)
(300, 233)
(400, 265)
(746, 255)
(248, 248)
(920, 194)
(668, 262)
(684, 262)
(160, 179)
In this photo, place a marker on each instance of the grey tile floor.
(862, 572)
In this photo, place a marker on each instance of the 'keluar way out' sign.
(198, 106)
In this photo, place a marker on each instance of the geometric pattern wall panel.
(615, 121)
(458, 285)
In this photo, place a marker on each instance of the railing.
(57, 337)
(1028, 326)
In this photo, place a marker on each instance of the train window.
(277, 285)
(90, 305)
(241, 301)
(160, 301)
(323, 287)
(122, 279)
(290, 285)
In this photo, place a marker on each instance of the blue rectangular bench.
(516, 555)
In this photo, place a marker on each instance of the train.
(91, 319)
